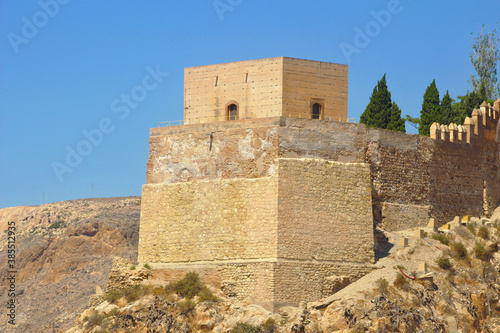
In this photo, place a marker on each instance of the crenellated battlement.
(482, 125)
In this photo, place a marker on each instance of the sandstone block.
(403, 242)
(419, 233)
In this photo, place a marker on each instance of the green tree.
(430, 109)
(465, 106)
(378, 110)
(485, 56)
(396, 123)
(446, 109)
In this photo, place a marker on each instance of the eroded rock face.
(65, 250)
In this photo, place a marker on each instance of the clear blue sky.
(66, 65)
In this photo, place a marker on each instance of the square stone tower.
(265, 88)
(260, 191)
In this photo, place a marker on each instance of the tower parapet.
(482, 125)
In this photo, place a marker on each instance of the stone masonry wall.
(297, 281)
(243, 149)
(401, 185)
(330, 140)
(208, 221)
(307, 82)
(325, 211)
(413, 177)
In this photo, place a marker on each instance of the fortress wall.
(255, 280)
(335, 141)
(305, 80)
(324, 211)
(466, 165)
(297, 281)
(457, 175)
(254, 85)
(245, 149)
(209, 221)
(492, 170)
(399, 167)
(455, 172)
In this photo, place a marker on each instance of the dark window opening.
(316, 111)
(232, 112)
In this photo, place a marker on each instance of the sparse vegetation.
(401, 282)
(444, 262)
(134, 293)
(189, 286)
(132, 267)
(55, 225)
(441, 237)
(270, 326)
(187, 306)
(459, 250)
(480, 252)
(246, 328)
(131, 294)
(95, 320)
(207, 295)
(483, 232)
(382, 285)
(113, 296)
(472, 228)
(146, 265)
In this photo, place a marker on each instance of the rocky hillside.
(63, 251)
(446, 281)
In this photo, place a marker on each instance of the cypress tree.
(446, 109)
(378, 110)
(430, 109)
(396, 123)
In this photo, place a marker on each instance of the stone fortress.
(269, 192)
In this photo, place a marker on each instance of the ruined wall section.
(242, 149)
(209, 221)
(325, 211)
(254, 85)
(308, 82)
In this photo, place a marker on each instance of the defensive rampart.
(282, 209)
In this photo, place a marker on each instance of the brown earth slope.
(63, 251)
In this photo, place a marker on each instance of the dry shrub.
(191, 286)
(480, 252)
(401, 282)
(472, 228)
(444, 262)
(459, 250)
(483, 232)
(382, 285)
(441, 237)
(187, 306)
